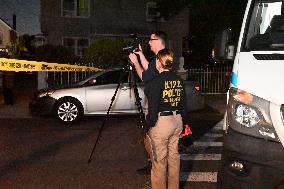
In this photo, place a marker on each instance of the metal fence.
(66, 78)
(212, 80)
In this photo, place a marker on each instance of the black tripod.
(132, 81)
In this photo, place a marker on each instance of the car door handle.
(125, 88)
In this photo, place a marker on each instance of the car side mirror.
(222, 48)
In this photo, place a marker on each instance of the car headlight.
(46, 93)
(246, 115)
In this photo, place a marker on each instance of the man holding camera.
(147, 71)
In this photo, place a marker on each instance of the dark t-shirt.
(166, 92)
(149, 74)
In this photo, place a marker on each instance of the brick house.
(74, 23)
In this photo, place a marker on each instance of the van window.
(265, 29)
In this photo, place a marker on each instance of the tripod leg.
(138, 103)
(102, 126)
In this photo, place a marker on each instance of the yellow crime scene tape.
(25, 65)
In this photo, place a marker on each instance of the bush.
(105, 53)
(52, 53)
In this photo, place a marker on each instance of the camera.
(134, 44)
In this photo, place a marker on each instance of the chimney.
(14, 22)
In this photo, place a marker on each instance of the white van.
(253, 155)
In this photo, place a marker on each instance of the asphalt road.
(42, 153)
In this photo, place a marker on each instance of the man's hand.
(144, 61)
(133, 58)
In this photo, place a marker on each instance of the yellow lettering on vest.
(167, 85)
(179, 84)
(171, 93)
(168, 93)
(174, 104)
(177, 92)
(165, 93)
(174, 84)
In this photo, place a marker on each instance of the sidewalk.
(20, 109)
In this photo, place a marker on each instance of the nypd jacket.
(166, 92)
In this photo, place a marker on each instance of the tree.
(106, 52)
(54, 53)
(28, 43)
(15, 47)
(206, 17)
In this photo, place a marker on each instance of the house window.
(75, 8)
(82, 44)
(77, 46)
(151, 11)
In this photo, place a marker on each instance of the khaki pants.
(166, 159)
(146, 139)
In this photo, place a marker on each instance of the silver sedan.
(111, 90)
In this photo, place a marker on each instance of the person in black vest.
(147, 72)
(166, 116)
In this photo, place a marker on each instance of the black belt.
(167, 113)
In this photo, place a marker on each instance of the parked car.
(94, 95)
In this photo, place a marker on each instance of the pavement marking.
(206, 144)
(201, 157)
(211, 177)
(213, 135)
(198, 176)
(216, 129)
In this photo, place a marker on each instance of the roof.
(27, 12)
(5, 24)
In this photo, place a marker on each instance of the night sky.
(27, 11)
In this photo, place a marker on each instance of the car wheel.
(68, 110)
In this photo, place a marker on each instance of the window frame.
(76, 47)
(74, 13)
(252, 29)
(150, 18)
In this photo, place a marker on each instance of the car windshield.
(109, 77)
(265, 29)
(84, 80)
